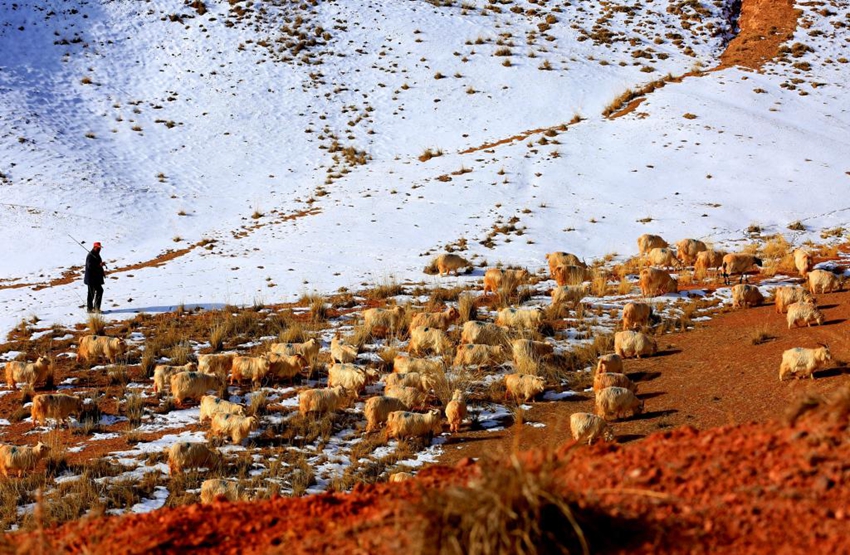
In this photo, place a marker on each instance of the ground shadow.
(832, 372)
(667, 353)
(652, 395)
(165, 308)
(626, 438)
(827, 306)
(654, 414)
(833, 322)
(643, 376)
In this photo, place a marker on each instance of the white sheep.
(29, 372)
(429, 339)
(162, 375)
(21, 459)
(647, 242)
(520, 318)
(738, 263)
(569, 295)
(801, 363)
(689, 249)
(788, 295)
(342, 353)
(403, 424)
(448, 263)
(378, 408)
(439, 320)
(456, 410)
(233, 425)
(93, 347)
(479, 355)
(308, 349)
(483, 333)
(412, 397)
(708, 260)
(400, 477)
(57, 406)
(211, 405)
(351, 377)
(216, 489)
(286, 367)
(803, 313)
(184, 454)
(612, 402)
(630, 344)
(555, 259)
(524, 386)
(495, 277)
(323, 401)
(803, 261)
(571, 275)
(663, 258)
(611, 362)
(746, 296)
(406, 379)
(823, 281)
(193, 385)
(613, 379)
(217, 364)
(587, 426)
(653, 281)
(424, 366)
(636, 315)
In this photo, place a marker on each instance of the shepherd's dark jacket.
(94, 269)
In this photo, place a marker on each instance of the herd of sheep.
(403, 410)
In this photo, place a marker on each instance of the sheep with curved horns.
(800, 362)
(740, 264)
(29, 372)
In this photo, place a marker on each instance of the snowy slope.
(151, 126)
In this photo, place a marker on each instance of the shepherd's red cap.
(97, 245)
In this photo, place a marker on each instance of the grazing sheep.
(654, 282)
(308, 349)
(57, 406)
(412, 397)
(233, 425)
(479, 355)
(428, 339)
(524, 348)
(456, 410)
(379, 408)
(447, 263)
(483, 333)
(569, 295)
(162, 375)
(184, 454)
(342, 353)
(351, 377)
(403, 424)
(323, 401)
(746, 296)
(93, 347)
(571, 275)
(662, 257)
(803, 262)
(21, 459)
(738, 263)
(216, 489)
(708, 260)
(788, 295)
(494, 277)
(615, 401)
(211, 405)
(689, 249)
(254, 368)
(524, 386)
(613, 379)
(387, 318)
(193, 385)
(587, 426)
(610, 363)
(823, 281)
(555, 259)
(520, 318)
(438, 320)
(801, 363)
(647, 242)
(423, 366)
(286, 367)
(405, 379)
(803, 313)
(216, 364)
(630, 344)
(400, 477)
(636, 315)
(29, 372)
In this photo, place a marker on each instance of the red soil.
(764, 26)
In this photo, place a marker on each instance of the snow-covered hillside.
(283, 143)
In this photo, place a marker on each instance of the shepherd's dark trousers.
(94, 297)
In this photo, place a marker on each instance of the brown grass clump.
(429, 153)
(96, 324)
(293, 334)
(761, 335)
(467, 309)
(388, 288)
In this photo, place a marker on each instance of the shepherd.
(93, 278)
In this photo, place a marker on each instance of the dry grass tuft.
(761, 335)
(467, 309)
(96, 324)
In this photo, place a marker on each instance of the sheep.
(738, 263)
(428, 339)
(587, 426)
(378, 408)
(21, 459)
(803, 262)
(636, 315)
(57, 406)
(286, 367)
(613, 379)
(447, 263)
(823, 281)
(218, 364)
(406, 379)
(216, 489)
(211, 405)
(555, 259)
(571, 275)
(93, 347)
(233, 425)
(162, 374)
(423, 366)
(522, 348)
(689, 249)
(342, 353)
(495, 277)
(707, 260)
(569, 295)
(628, 344)
(745, 296)
(615, 401)
(254, 368)
(479, 355)
(520, 318)
(29, 372)
(456, 410)
(351, 377)
(411, 397)
(323, 401)
(193, 385)
(403, 424)
(663, 258)
(647, 242)
(438, 320)
(482, 333)
(308, 349)
(788, 295)
(803, 313)
(800, 362)
(387, 318)
(609, 363)
(654, 282)
(400, 477)
(184, 454)
(524, 386)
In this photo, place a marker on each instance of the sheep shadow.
(827, 306)
(834, 322)
(627, 438)
(653, 395)
(643, 376)
(666, 353)
(653, 414)
(832, 372)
